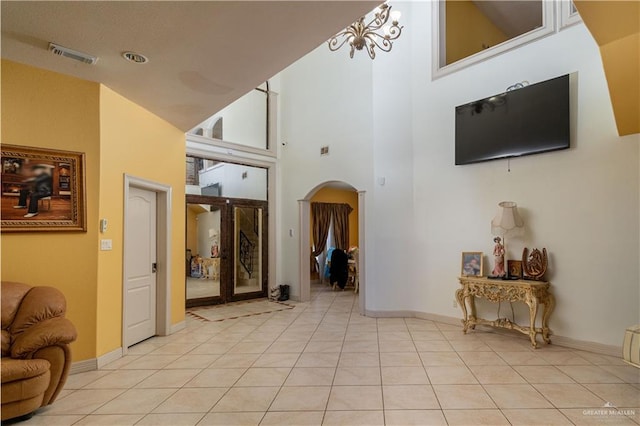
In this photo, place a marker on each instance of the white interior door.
(140, 264)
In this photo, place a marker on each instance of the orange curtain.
(321, 219)
(341, 224)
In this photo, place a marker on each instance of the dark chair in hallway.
(339, 270)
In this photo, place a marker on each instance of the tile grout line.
(298, 359)
(331, 320)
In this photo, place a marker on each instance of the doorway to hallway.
(226, 255)
(306, 241)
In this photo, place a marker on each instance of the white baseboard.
(177, 327)
(389, 314)
(567, 342)
(439, 318)
(95, 363)
(583, 345)
(109, 357)
(83, 366)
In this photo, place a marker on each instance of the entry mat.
(236, 310)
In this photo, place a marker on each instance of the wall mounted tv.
(524, 121)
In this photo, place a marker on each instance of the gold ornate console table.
(533, 293)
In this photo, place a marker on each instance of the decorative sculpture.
(534, 265)
(498, 257)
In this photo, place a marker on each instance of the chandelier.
(376, 33)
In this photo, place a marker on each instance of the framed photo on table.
(514, 269)
(42, 190)
(472, 264)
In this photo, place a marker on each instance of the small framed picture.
(472, 264)
(514, 268)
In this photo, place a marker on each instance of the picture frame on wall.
(472, 264)
(43, 190)
(514, 269)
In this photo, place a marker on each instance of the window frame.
(438, 51)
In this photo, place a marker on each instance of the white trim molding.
(304, 246)
(438, 57)
(567, 342)
(84, 366)
(199, 146)
(163, 243)
(213, 149)
(95, 363)
(178, 327)
(109, 357)
(304, 243)
(568, 14)
(362, 250)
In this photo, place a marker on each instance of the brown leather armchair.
(35, 347)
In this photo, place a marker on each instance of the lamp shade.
(508, 220)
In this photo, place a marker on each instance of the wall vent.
(324, 150)
(56, 49)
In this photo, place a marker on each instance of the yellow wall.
(45, 109)
(615, 25)
(138, 143)
(192, 231)
(467, 30)
(334, 195)
(50, 110)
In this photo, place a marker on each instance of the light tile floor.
(200, 287)
(323, 363)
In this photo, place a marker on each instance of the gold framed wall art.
(42, 190)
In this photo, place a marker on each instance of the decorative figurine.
(534, 265)
(196, 266)
(498, 257)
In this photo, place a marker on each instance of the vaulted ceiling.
(205, 54)
(202, 54)
(615, 26)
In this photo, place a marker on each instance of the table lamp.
(507, 222)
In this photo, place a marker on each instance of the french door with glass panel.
(226, 250)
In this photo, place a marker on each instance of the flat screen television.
(524, 121)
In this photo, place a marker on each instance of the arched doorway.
(304, 207)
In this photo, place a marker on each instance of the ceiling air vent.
(73, 54)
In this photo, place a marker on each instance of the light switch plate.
(106, 244)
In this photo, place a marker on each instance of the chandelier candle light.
(377, 33)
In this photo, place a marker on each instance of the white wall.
(208, 221)
(325, 99)
(391, 231)
(244, 121)
(581, 204)
(387, 118)
(233, 185)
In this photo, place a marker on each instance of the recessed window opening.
(244, 122)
